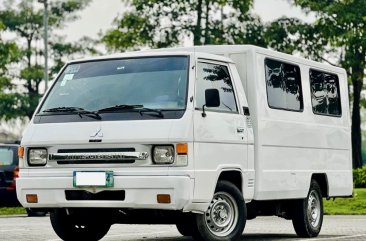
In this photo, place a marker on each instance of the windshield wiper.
(76, 110)
(63, 109)
(139, 108)
(143, 109)
(119, 107)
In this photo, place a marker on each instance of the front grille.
(81, 195)
(95, 150)
(98, 150)
(96, 162)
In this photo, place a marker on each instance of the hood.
(136, 131)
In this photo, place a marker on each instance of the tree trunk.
(357, 77)
(198, 28)
(29, 52)
(207, 26)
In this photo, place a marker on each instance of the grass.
(347, 206)
(12, 211)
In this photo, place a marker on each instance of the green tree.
(340, 32)
(164, 23)
(9, 53)
(21, 95)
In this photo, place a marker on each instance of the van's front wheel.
(308, 213)
(72, 228)
(225, 218)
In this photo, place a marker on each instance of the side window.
(325, 95)
(215, 76)
(283, 82)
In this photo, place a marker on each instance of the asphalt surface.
(23, 228)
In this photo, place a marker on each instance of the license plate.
(93, 179)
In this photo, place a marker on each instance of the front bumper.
(140, 192)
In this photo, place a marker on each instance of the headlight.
(163, 154)
(37, 157)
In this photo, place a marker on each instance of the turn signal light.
(163, 198)
(21, 152)
(32, 198)
(182, 149)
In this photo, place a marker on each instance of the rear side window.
(325, 95)
(283, 82)
(215, 76)
(6, 156)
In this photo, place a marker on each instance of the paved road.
(261, 229)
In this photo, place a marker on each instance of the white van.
(203, 137)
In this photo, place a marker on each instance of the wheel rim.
(314, 209)
(221, 216)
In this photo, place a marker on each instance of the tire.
(186, 229)
(225, 218)
(187, 225)
(69, 228)
(308, 213)
(35, 213)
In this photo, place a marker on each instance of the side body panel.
(292, 146)
(289, 147)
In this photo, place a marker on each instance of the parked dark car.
(8, 172)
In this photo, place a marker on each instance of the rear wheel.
(308, 213)
(225, 218)
(73, 228)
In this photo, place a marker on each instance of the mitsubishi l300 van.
(205, 138)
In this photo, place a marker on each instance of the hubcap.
(222, 215)
(314, 209)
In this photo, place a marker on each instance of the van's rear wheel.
(73, 228)
(225, 218)
(308, 213)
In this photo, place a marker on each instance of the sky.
(99, 15)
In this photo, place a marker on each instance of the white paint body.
(277, 153)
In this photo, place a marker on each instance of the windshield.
(158, 83)
(6, 156)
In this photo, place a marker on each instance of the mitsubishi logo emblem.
(97, 133)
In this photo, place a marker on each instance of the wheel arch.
(233, 176)
(322, 180)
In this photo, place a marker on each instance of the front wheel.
(35, 212)
(308, 213)
(70, 227)
(186, 229)
(225, 218)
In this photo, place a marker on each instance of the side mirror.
(212, 99)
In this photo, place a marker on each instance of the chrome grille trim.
(98, 156)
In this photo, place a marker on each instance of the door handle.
(240, 129)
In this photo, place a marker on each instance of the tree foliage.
(9, 53)
(163, 23)
(338, 32)
(20, 94)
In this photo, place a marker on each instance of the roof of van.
(155, 52)
(216, 52)
(232, 49)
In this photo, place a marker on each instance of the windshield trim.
(188, 56)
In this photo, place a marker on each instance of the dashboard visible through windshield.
(134, 88)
